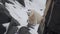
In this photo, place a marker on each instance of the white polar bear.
(34, 17)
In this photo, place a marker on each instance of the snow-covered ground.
(19, 12)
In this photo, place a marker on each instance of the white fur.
(34, 17)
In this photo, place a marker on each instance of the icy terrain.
(19, 13)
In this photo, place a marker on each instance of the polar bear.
(34, 17)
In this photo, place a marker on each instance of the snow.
(34, 31)
(19, 12)
(36, 5)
